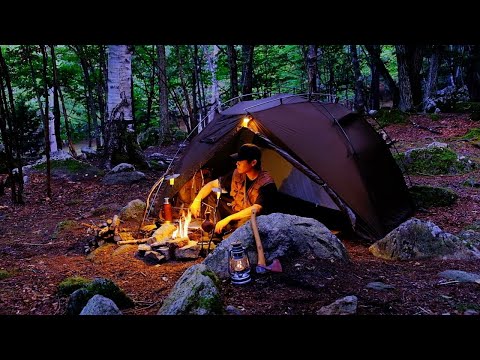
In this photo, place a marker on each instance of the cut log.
(135, 241)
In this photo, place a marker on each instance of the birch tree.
(120, 140)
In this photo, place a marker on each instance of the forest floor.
(35, 257)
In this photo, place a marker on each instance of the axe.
(262, 267)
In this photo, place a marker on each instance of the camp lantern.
(238, 265)
(171, 178)
(245, 121)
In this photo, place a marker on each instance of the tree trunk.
(46, 119)
(212, 67)
(359, 94)
(151, 89)
(163, 86)
(375, 82)
(191, 122)
(15, 126)
(247, 71)
(120, 141)
(195, 96)
(73, 152)
(473, 72)
(232, 64)
(431, 82)
(375, 58)
(415, 56)
(406, 100)
(101, 91)
(56, 104)
(198, 82)
(312, 69)
(92, 112)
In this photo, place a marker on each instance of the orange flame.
(183, 223)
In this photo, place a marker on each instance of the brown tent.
(327, 162)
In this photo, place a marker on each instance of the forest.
(105, 105)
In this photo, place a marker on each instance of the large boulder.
(282, 235)
(195, 293)
(415, 239)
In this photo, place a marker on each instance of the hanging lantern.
(245, 121)
(238, 265)
(171, 178)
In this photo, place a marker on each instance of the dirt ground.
(38, 258)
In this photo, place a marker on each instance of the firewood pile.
(108, 231)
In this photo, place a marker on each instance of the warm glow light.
(183, 223)
(245, 121)
(171, 178)
(239, 266)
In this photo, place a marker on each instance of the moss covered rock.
(99, 286)
(435, 161)
(416, 239)
(195, 293)
(425, 196)
(393, 116)
(71, 168)
(4, 274)
(69, 285)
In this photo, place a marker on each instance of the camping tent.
(327, 161)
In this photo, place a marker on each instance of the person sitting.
(250, 187)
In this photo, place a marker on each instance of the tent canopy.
(323, 157)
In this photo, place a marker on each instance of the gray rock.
(343, 306)
(378, 285)
(133, 210)
(461, 276)
(123, 167)
(281, 235)
(100, 305)
(195, 293)
(415, 239)
(123, 178)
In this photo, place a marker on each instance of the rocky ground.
(35, 256)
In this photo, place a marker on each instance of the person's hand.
(220, 225)
(195, 208)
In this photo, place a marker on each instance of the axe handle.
(258, 242)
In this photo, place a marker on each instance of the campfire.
(183, 223)
(177, 240)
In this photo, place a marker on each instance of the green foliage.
(394, 116)
(212, 276)
(427, 196)
(69, 285)
(466, 107)
(67, 225)
(109, 289)
(70, 165)
(434, 117)
(4, 274)
(473, 135)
